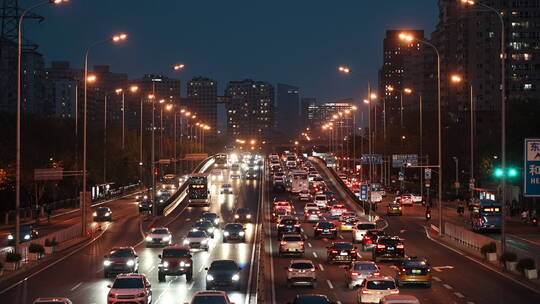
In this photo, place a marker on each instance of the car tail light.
(333, 251)
(319, 229)
(403, 269)
(400, 208)
(367, 291)
(376, 273)
(380, 246)
(312, 269)
(290, 270)
(333, 228)
(354, 273)
(296, 225)
(400, 246)
(353, 251)
(301, 243)
(429, 270)
(283, 243)
(394, 291)
(281, 225)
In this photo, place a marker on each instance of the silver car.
(291, 244)
(357, 271)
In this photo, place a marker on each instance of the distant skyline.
(298, 42)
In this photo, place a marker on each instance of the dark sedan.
(223, 273)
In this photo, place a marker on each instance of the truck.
(198, 193)
(299, 181)
(221, 161)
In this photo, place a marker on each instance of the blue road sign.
(375, 159)
(401, 176)
(532, 167)
(427, 173)
(364, 192)
(399, 160)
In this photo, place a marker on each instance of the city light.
(119, 37)
(407, 90)
(373, 96)
(406, 37)
(162, 101)
(366, 101)
(134, 89)
(168, 107)
(91, 78)
(456, 78)
(118, 91)
(469, 2)
(178, 67)
(344, 69)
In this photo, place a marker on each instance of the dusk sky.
(294, 42)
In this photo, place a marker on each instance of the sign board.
(375, 159)
(364, 192)
(532, 168)
(52, 174)
(457, 185)
(427, 173)
(427, 183)
(399, 160)
(164, 161)
(401, 176)
(196, 156)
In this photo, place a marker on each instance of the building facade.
(288, 110)
(202, 99)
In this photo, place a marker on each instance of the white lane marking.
(447, 286)
(437, 279)
(302, 229)
(341, 236)
(338, 302)
(459, 295)
(99, 270)
(202, 267)
(321, 267)
(76, 286)
(469, 302)
(330, 284)
(191, 285)
(309, 245)
(315, 254)
(152, 268)
(188, 219)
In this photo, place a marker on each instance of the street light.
(178, 67)
(408, 38)
(116, 38)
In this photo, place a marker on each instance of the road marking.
(459, 295)
(314, 254)
(321, 267)
(309, 245)
(440, 268)
(437, 279)
(188, 219)
(191, 285)
(330, 284)
(152, 268)
(447, 286)
(302, 229)
(338, 302)
(469, 302)
(76, 286)
(341, 236)
(202, 267)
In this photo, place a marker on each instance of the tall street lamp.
(19, 97)
(116, 38)
(409, 38)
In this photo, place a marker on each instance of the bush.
(489, 248)
(508, 257)
(526, 263)
(13, 257)
(36, 248)
(51, 243)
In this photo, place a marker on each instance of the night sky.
(296, 42)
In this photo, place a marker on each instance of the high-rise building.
(61, 85)
(250, 111)
(202, 99)
(305, 103)
(319, 114)
(288, 109)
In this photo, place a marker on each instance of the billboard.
(532, 167)
(399, 160)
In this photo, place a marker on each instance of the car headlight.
(204, 242)
(130, 262)
(148, 238)
(27, 237)
(209, 277)
(216, 221)
(165, 264)
(94, 214)
(241, 233)
(186, 242)
(226, 233)
(235, 277)
(166, 239)
(248, 216)
(146, 197)
(107, 214)
(161, 200)
(10, 237)
(210, 230)
(107, 263)
(140, 205)
(236, 216)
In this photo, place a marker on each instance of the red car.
(406, 199)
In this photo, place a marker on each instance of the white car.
(321, 201)
(358, 271)
(197, 240)
(226, 189)
(301, 272)
(217, 172)
(304, 195)
(130, 288)
(416, 198)
(375, 197)
(373, 289)
(360, 230)
(210, 297)
(159, 236)
(291, 244)
(400, 299)
(52, 301)
(312, 213)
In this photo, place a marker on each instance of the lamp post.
(152, 98)
(116, 38)
(409, 38)
(18, 136)
(105, 138)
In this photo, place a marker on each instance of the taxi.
(394, 209)
(414, 271)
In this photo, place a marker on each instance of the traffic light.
(156, 172)
(510, 172)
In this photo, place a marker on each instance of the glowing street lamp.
(178, 67)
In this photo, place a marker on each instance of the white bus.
(299, 181)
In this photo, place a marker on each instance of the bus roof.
(486, 202)
(199, 174)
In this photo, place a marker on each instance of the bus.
(299, 181)
(221, 160)
(486, 215)
(198, 193)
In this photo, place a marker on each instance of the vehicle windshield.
(320, 197)
(223, 265)
(209, 300)
(362, 266)
(326, 225)
(175, 253)
(295, 238)
(128, 283)
(203, 224)
(365, 226)
(103, 210)
(415, 263)
(226, 186)
(160, 231)
(311, 299)
(234, 227)
(301, 265)
(209, 216)
(121, 253)
(380, 284)
(242, 211)
(343, 246)
(196, 234)
(390, 242)
(288, 222)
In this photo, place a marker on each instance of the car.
(348, 216)
(130, 288)
(52, 301)
(28, 232)
(223, 273)
(291, 244)
(360, 230)
(337, 210)
(347, 225)
(226, 189)
(205, 226)
(243, 215)
(325, 229)
(288, 226)
(394, 209)
(211, 217)
(235, 173)
(163, 197)
(373, 289)
(141, 197)
(159, 236)
(341, 252)
(283, 204)
(414, 271)
(301, 272)
(175, 261)
(304, 195)
(120, 260)
(358, 271)
(234, 232)
(217, 172)
(311, 299)
(389, 248)
(279, 185)
(371, 237)
(399, 299)
(197, 239)
(251, 174)
(406, 200)
(320, 200)
(416, 198)
(312, 212)
(102, 214)
(145, 205)
(279, 213)
(210, 297)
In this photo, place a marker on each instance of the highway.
(80, 276)
(457, 279)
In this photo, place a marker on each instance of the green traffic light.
(498, 172)
(512, 172)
